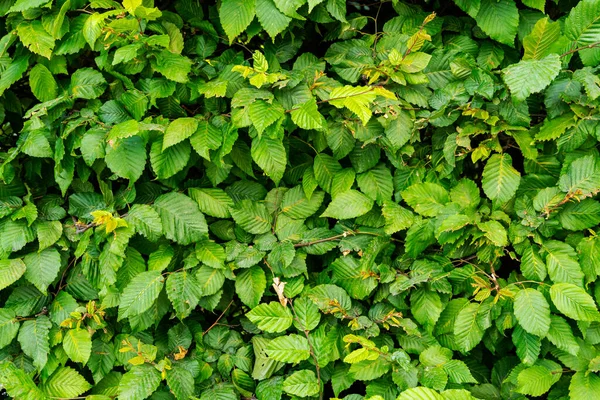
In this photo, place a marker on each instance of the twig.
(575, 50)
(218, 319)
(311, 350)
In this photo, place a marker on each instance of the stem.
(218, 319)
(575, 50)
(311, 350)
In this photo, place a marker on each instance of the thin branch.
(589, 46)
(311, 350)
(218, 319)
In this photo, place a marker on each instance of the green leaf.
(62, 307)
(34, 340)
(145, 220)
(301, 383)
(307, 115)
(584, 386)
(207, 137)
(554, 128)
(66, 382)
(181, 219)
(140, 293)
(18, 383)
(582, 25)
(495, 232)
(532, 266)
(11, 271)
(561, 335)
(561, 262)
(467, 329)
(42, 83)
(574, 302)
(272, 20)
(580, 216)
(537, 4)
(325, 168)
(458, 372)
(35, 38)
(397, 218)
(87, 83)
(350, 204)
(24, 5)
(271, 317)
(253, 217)
(427, 199)
(295, 204)
(168, 162)
(42, 268)
(210, 253)
(270, 156)
(184, 292)
(35, 144)
(542, 39)
(420, 393)
(581, 177)
(376, 183)
(235, 16)
(356, 99)
(78, 345)
(531, 76)
(290, 349)
(172, 66)
(426, 307)
(307, 314)
(500, 180)
(213, 202)
(139, 382)
(263, 114)
(250, 284)
(13, 72)
(127, 158)
(499, 19)
(178, 131)
(211, 280)
(534, 381)
(9, 326)
(48, 233)
(532, 312)
(528, 345)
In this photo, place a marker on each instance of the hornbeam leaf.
(531, 76)
(290, 349)
(532, 312)
(350, 204)
(235, 16)
(78, 345)
(499, 19)
(271, 317)
(574, 302)
(34, 340)
(500, 180)
(181, 219)
(141, 292)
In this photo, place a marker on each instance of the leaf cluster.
(285, 199)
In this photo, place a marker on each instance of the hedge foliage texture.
(299, 199)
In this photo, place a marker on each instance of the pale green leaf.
(532, 312)
(574, 302)
(350, 204)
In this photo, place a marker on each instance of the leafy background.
(281, 199)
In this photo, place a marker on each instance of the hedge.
(285, 199)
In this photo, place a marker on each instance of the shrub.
(282, 199)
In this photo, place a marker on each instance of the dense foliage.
(282, 199)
